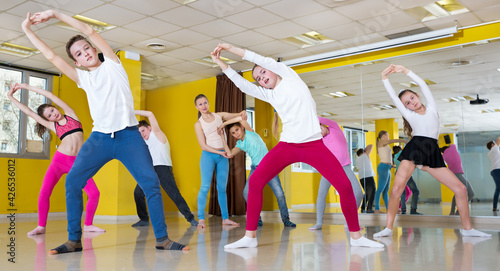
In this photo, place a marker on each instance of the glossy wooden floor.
(125, 248)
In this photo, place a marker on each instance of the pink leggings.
(317, 155)
(61, 164)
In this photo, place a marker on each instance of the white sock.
(243, 242)
(316, 227)
(363, 242)
(385, 232)
(365, 251)
(474, 233)
(245, 253)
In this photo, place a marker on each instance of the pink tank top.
(71, 126)
(210, 130)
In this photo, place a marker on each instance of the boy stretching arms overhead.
(115, 134)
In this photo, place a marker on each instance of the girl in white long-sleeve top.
(422, 151)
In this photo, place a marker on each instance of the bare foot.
(230, 223)
(201, 224)
(92, 228)
(37, 230)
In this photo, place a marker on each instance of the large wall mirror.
(455, 75)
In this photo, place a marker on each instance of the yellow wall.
(446, 193)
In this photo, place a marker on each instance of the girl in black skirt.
(421, 124)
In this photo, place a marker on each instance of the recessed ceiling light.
(458, 99)
(450, 125)
(412, 84)
(17, 50)
(460, 63)
(156, 46)
(382, 107)
(327, 114)
(148, 77)
(437, 10)
(490, 111)
(185, 2)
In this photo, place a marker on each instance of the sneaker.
(403, 211)
(289, 223)
(141, 223)
(414, 212)
(260, 224)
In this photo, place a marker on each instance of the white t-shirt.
(159, 152)
(494, 156)
(109, 96)
(364, 165)
(291, 99)
(423, 125)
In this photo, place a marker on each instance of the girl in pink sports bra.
(69, 130)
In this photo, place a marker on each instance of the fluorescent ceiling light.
(207, 61)
(458, 99)
(17, 50)
(308, 39)
(377, 46)
(148, 77)
(490, 110)
(383, 107)
(338, 94)
(97, 25)
(327, 114)
(185, 2)
(450, 125)
(436, 10)
(412, 84)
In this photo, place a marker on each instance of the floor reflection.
(125, 248)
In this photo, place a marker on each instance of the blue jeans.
(496, 177)
(128, 147)
(415, 193)
(275, 185)
(208, 163)
(384, 181)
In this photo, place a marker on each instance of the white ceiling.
(191, 31)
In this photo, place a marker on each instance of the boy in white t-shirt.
(366, 174)
(115, 134)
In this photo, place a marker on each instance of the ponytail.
(199, 96)
(275, 127)
(407, 128)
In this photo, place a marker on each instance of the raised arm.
(58, 61)
(421, 83)
(227, 116)
(155, 127)
(243, 84)
(265, 62)
(58, 101)
(243, 122)
(202, 141)
(368, 149)
(15, 87)
(384, 142)
(390, 90)
(84, 28)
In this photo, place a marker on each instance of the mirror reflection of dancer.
(300, 140)
(335, 141)
(411, 188)
(384, 168)
(213, 157)
(69, 130)
(366, 174)
(452, 159)
(422, 151)
(159, 148)
(115, 134)
(494, 156)
(251, 143)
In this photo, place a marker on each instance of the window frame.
(22, 151)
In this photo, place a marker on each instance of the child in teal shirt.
(251, 143)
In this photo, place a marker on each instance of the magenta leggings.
(317, 155)
(61, 164)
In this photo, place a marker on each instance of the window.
(18, 133)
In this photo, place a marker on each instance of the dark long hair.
(406, 125)
(199, 96)
(40, 129)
